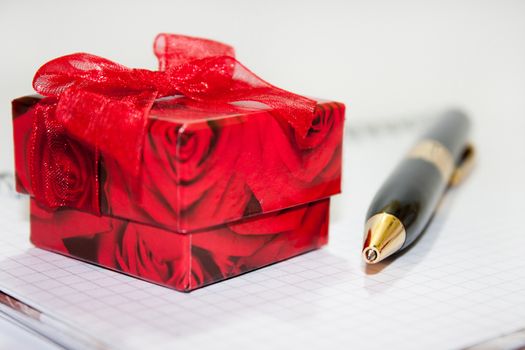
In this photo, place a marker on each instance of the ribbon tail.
(115, 126)
(64, 173)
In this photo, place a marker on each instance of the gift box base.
(181, 261)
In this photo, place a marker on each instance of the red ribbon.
(106, 105)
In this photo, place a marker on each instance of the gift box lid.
(201, 165)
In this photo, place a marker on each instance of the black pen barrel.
(451, 130)
(413, 190)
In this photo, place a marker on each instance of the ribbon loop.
(172, 50)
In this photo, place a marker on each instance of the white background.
(383, 59)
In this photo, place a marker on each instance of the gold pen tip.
(384, 235)
(370, 255)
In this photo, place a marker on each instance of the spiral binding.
(384, 127)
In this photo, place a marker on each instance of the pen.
(405, 203)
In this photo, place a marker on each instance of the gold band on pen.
(435, 153)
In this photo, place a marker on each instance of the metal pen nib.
(384, 235)
(370, 255)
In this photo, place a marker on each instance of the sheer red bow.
(105, 105)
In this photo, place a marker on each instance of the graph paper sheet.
(462, 283)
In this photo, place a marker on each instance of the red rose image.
(164, 257)
(188, 178)
(321, 127)
(181, 261)
(254, 242)
(309, 157)
(65, 171)
(147, 252)
(310, 233)
(218, 251)
(291, 169)
(54, 227)
(189, 171)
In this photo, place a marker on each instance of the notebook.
(461, 284)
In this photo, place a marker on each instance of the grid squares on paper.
(440, 295)
(326, 298)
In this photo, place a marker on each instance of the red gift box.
(205, 187)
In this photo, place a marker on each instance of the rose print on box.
(182, 261)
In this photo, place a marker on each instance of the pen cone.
(384, 235)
